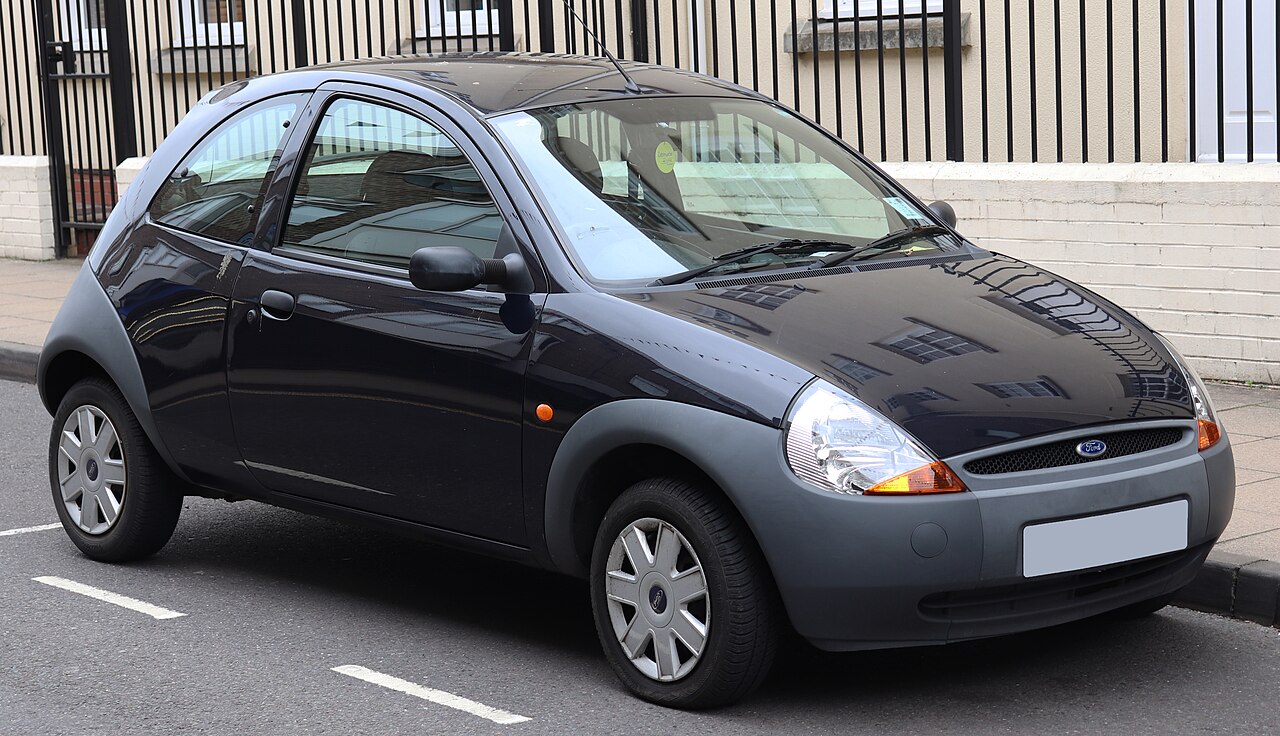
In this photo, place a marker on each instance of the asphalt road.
(274, 600)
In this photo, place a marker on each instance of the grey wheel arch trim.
(690, 431)
(85, 312)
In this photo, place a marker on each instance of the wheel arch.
(617, 444)
(86, 339)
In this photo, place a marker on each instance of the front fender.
(88, 323)
(722, 446)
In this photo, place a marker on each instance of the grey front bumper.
(853, 571)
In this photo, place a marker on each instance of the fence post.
(639, 31)
(506, 25)
(953, 76)
(300, 33)
(53, 122)
(546, 27)
(120, 66)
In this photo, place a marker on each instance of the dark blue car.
(635, 325)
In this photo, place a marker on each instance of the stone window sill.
(203, 60)
(862, 36)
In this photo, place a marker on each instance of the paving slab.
(1262, 497)
(1261, 421)
(1262, 455)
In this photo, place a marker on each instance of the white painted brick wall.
(26, 209)
(1192, 249)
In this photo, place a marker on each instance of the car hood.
(962, 354)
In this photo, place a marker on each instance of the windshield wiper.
(892, 239)
(787, 245)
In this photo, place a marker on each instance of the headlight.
(1208, 429)
(836, 442)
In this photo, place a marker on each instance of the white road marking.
(26, 529)
(439, 697)
(132, 604)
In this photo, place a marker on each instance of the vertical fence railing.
(1018, 80)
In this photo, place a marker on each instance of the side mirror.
(450, 268)
(944, 212)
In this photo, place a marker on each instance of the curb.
(18, 362)
(1238, 586)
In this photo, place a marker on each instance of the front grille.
(1063, 453)
(1058, 592)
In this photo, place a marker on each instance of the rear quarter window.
(217, 189)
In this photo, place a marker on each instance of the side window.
(379, 184)
(218, 187)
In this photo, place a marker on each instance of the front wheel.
(116, 498)
(683, 602)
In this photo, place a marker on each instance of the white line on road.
(132, 604)
(26, 529)
(439, 697)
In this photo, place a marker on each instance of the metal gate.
(84, 59)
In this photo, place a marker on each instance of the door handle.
(277, 304)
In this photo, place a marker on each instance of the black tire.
(152, 499)
(745, 613)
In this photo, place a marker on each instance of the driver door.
(348, 385)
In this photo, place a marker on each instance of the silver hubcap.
(91, 470)
(658, 602)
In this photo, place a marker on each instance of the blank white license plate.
(1093, 541)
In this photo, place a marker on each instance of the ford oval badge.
(1091, 449)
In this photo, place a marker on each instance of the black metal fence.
(91, 82)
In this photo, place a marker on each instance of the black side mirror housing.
(944, 212)
(450, 268)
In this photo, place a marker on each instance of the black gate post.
(50, 53)
(506, 25)
(300, 33)
(546, 27)
(120, 66)
(639, 31)
(954, 77)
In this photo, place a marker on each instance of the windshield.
(646, 188)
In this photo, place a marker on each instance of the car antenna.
(632, 87)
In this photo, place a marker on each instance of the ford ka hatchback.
(635, 325)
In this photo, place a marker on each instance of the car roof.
(497, 82)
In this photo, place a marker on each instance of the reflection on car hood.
(963, 355)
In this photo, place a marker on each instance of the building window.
(454, 18)
(859, 372)
(210, 22)
(86, 21)
(767, 296)
(911, 398)
(869, 9)
(925, 343)
(1041, 388)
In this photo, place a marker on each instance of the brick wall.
(1191, 249)
(26, 208)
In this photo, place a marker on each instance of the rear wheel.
(683, 601)
(116, 498)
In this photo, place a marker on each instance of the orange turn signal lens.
(932, 478)
(1209, 434)
(544, 412)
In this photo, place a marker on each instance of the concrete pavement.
(1242, 578)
